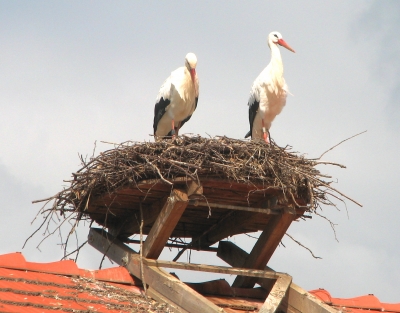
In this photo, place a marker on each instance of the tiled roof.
(63, 287)
(28, 287)
(363, 304)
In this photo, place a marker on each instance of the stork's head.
(276, 38)
(190, 63)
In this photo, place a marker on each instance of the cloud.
(379, 27)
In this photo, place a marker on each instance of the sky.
(73, 73)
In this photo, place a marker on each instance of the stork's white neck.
(276, 69)
(276, 58)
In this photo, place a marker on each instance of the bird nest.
(195, 158)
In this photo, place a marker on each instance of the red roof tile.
(358, 304)
(63, 287)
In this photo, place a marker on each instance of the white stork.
(177, 99)
(268, 93)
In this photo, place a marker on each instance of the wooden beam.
(226, 227)
(165, 224)
(296, 300)
(265, 247)
(154, 294)
(276, 210)
(277, 293)
(131, 225)
(194, 189)
(235, 256)
(212, 268)
(177, 246)
(277, 288)
(232, 223)
(299, 300)
(221, 287)
(165, 285)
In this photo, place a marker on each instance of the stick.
(340, 143)
(141, 251)
(300, 244)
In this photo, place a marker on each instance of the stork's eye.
(276, 35)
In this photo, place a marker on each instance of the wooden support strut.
(162, 285)
(265, 247)
(165, 224)
(212, 268)
(295, 300)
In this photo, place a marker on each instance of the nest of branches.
(194, 157)
(246, 162)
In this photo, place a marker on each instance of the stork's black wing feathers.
(188, 118)
(159, 110)
(253, 108)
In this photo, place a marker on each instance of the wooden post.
(265, 247)
(231, 225)
(165, 224)
(161, 283)
(296, 299)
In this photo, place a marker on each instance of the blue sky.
(73, 72)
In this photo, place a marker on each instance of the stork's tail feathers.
(248, 134)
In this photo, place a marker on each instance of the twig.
(330, 222)
(300, 244)
(340, 143)
(76, 250)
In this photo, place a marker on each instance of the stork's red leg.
(264, 130)
(173, 129)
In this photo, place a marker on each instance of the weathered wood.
(221, 287)
(265, 247)
(150, 214)
(233, 224)
(163, 283)
(277, 289)
(123, 207)
(165, 224)
(275, 211)
(177, 246)
(297, 300)
(194, 189)
(227, 226)
(235, 256)
(154, 294)
(277, 293)
(211, 268)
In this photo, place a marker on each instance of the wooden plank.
(150, 214)
(221, 287)
(228, 226)
(277, 289)
(275, 211)
(212, 268)
(234, 223)
(297, 300)
(264, 247)
(165, 224)
(163, 283)
(152, 293)
(174, 245)
(194, 189)
(277, 293)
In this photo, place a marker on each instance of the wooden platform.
(213, 202)
(206, 211)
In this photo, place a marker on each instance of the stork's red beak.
(193, 76)
(284, 44)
